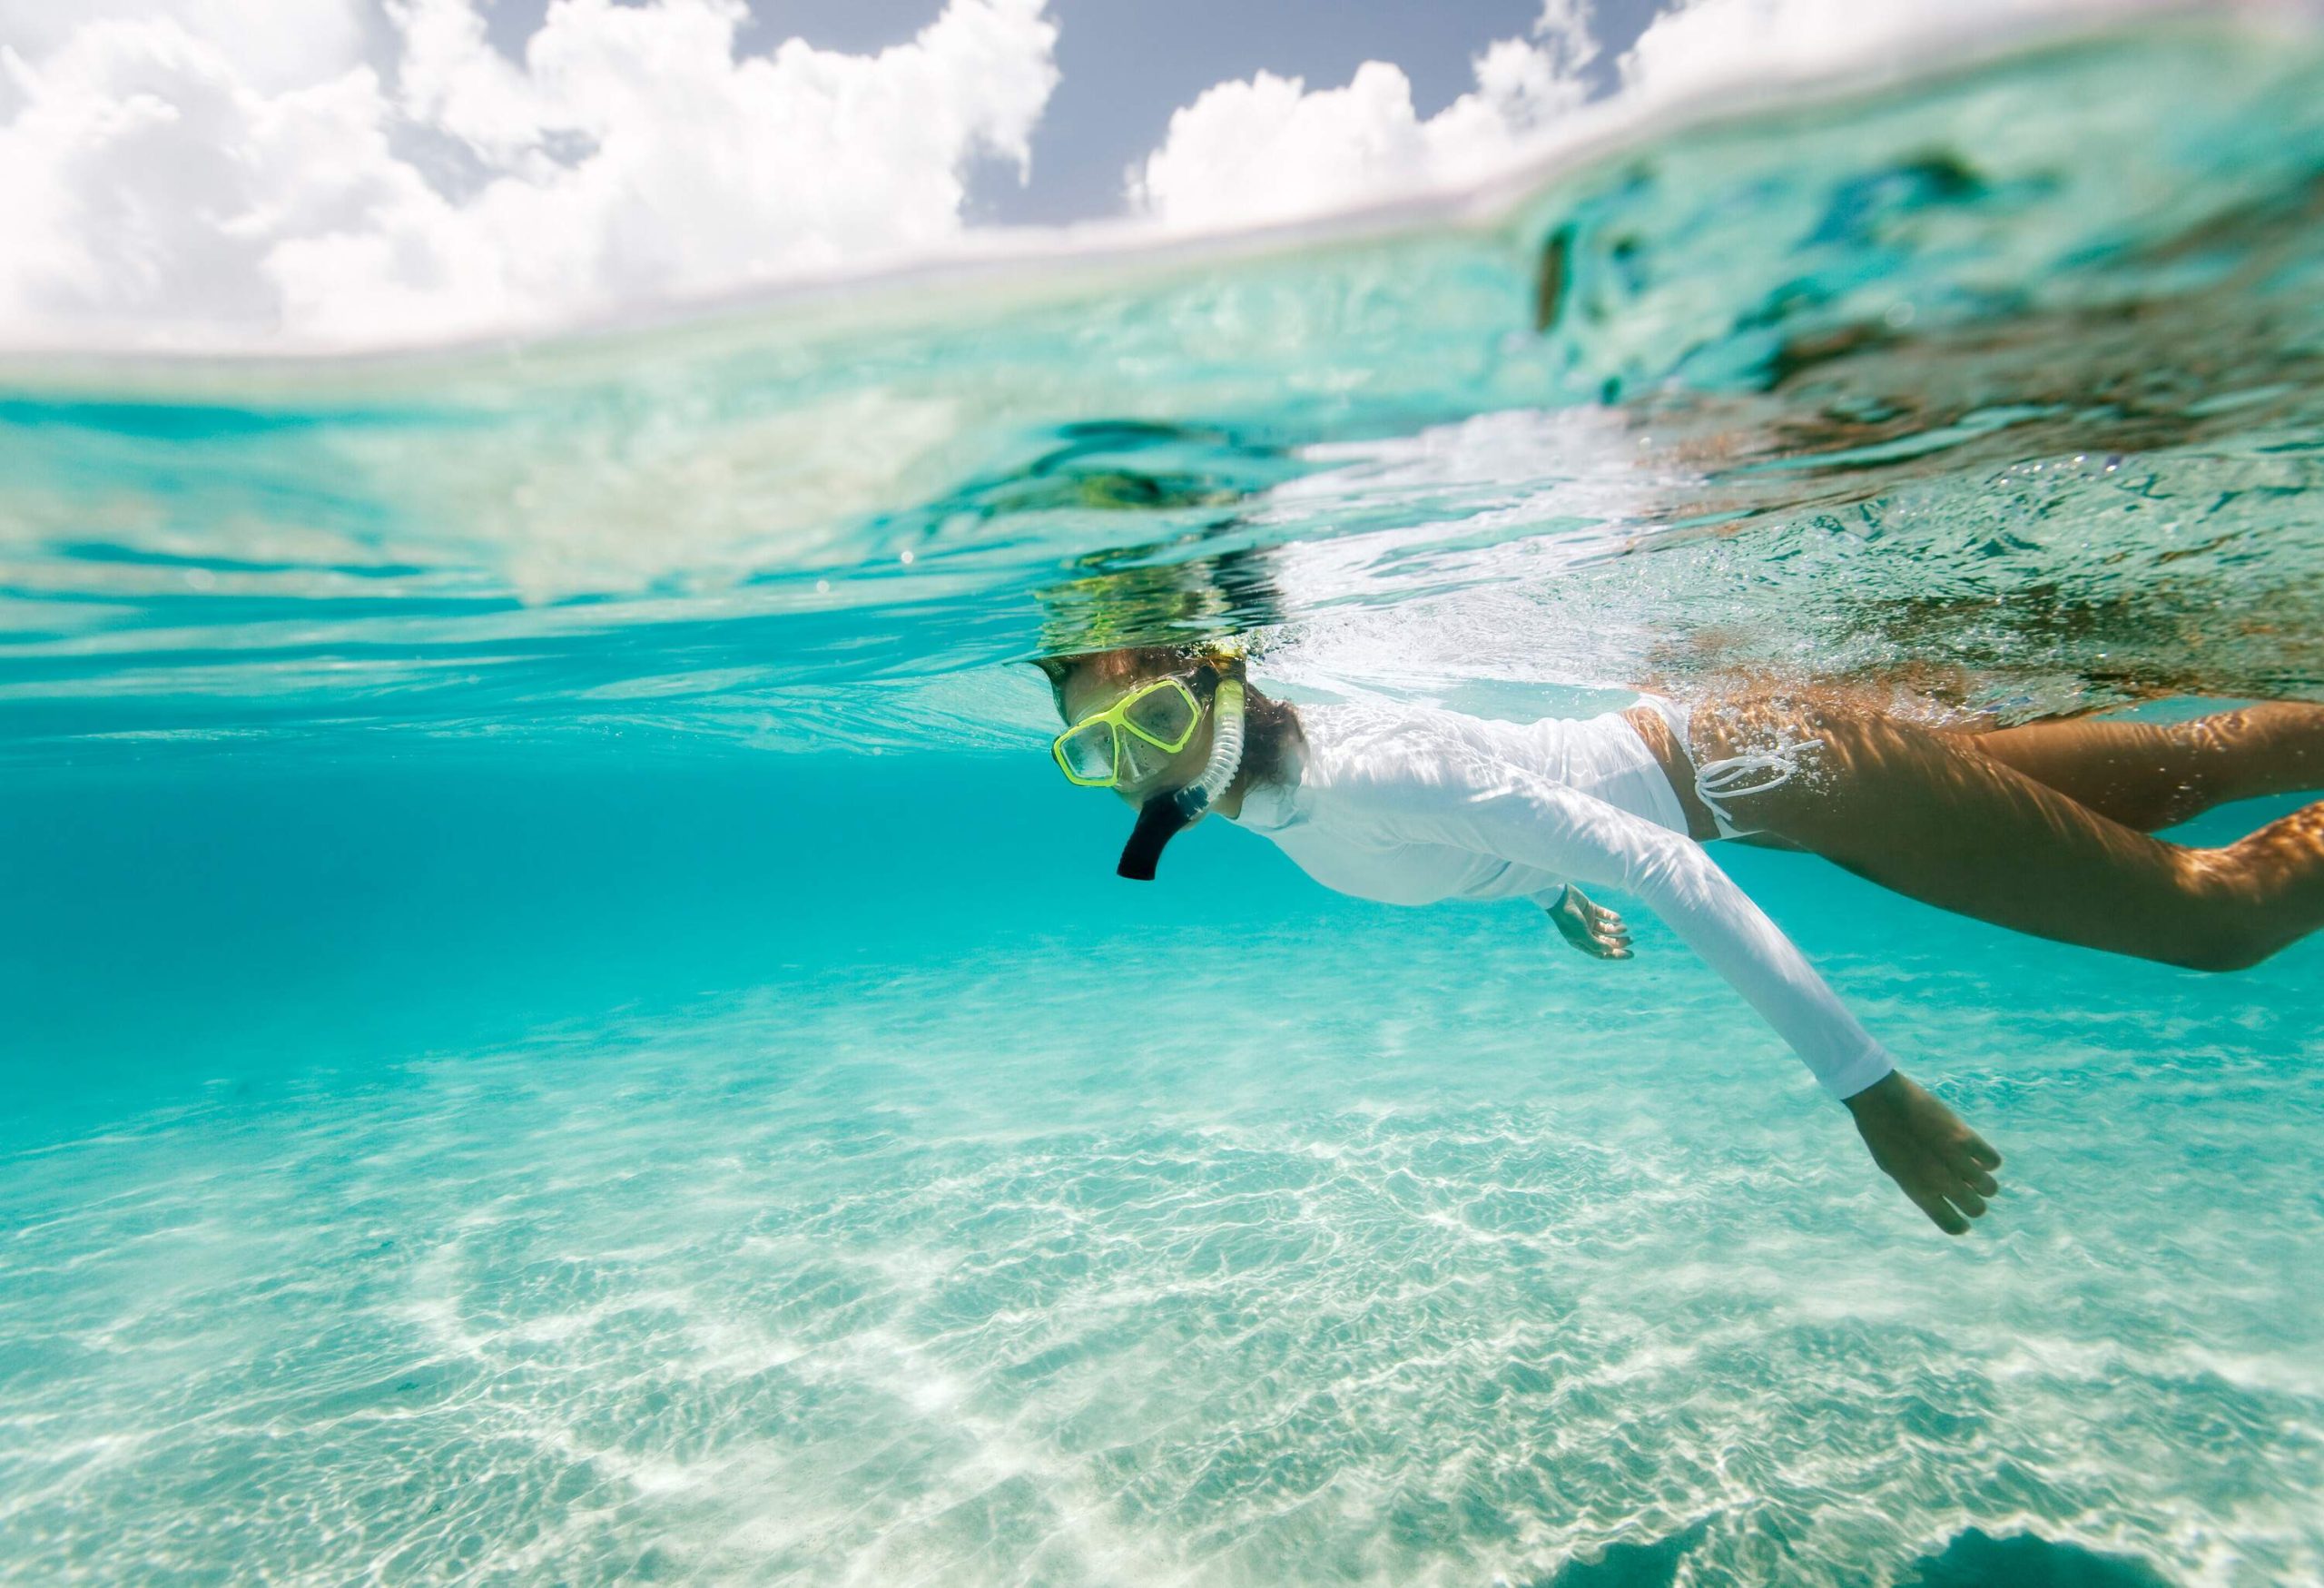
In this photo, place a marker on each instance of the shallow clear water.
(560, 1028)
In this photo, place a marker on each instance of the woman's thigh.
(2148, 774)
(1926, 814)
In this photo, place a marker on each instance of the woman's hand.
(1945, 1167)
(1593, 929)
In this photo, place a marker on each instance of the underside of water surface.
(560, 1026)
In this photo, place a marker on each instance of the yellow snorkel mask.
(1106, 749)
(1133, 737)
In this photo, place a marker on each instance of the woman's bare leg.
(1942, 819)
(2148, 776)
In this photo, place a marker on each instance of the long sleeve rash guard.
(1410, 806)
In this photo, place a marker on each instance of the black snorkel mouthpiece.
(1165, 815)
(1159, 820)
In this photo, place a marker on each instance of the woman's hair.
(1129, 664)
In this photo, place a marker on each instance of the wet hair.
(1128, 666)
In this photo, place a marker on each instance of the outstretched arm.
(1492, 809)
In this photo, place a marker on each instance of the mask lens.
(1088, 753)
(1165, 715)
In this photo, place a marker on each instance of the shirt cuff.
(1844, 1080)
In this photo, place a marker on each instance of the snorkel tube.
(1165, 815)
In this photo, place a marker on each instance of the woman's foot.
(1945, 1167)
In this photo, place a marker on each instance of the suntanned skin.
(2043, 829)
(2031, 828)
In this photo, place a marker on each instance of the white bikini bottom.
(1721, 780)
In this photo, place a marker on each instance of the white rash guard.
(1407, 805)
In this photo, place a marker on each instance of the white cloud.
(165, 185)
(1714, 45)
(277, 43)
(356, 173)
(1267, 149)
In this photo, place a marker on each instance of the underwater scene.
(561, 1026)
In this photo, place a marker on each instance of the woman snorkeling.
(2043, 829)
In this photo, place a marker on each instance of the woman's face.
(1146, 770)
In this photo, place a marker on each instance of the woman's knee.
(2220, 929)
(2220, 950)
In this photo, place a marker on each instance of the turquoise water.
(560, 1028)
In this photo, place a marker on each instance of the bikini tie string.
(1758, 773)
